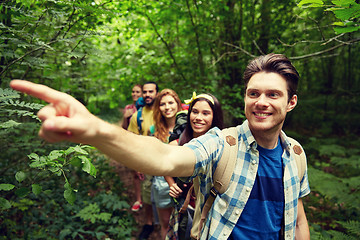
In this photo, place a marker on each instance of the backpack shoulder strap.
(298, 152)
(226, 165)
(139, 119)
(223, 172)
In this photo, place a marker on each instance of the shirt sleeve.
(133, 127)
(304, 185)
(208, 149)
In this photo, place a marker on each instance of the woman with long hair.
(166, 105)
(204, 113)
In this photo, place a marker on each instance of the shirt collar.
(250, 141)
(247, 136)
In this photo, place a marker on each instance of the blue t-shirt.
(263, 213)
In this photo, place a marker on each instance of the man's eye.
(274, 95)
(252, 94)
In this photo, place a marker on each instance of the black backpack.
(180, 125)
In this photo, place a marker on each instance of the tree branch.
(26, 54)
(325, 51)
(166, 45)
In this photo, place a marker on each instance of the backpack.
(140, 103)
(180, 125)
(223, 173)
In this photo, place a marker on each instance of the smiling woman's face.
(168, 106)
(201, 118)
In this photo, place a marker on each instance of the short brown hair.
(276, 63)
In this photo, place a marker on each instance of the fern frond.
(22, 113)
(340, 236)
(353, 227)
(8, 93)
(22, 104)
(9, 124)
(353, 161)
(340, 190)
(331, 150)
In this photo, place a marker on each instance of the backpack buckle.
(213, 192)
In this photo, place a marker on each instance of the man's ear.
(292, 103)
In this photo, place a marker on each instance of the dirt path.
(126, 177)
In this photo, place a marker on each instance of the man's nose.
(262, 100)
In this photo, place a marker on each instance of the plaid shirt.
(228, 206)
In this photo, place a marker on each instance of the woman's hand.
(128, 113)
(175, 191)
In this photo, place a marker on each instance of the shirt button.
(237, 212)
(253, 162)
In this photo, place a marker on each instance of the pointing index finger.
(39, 91)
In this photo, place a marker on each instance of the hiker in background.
(204, 113)
(167, 104)
(264, 197)
(130, 109)
(140, 124)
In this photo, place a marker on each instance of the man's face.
(266, 102)
(149, 93)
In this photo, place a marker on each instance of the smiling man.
(263, 199)
(140, 123)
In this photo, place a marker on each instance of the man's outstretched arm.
(66, 119)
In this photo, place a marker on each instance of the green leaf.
(69, 194)
(76, 161)
(55, 154)
(6, 187)
(88, 166)
(80, 150)
(104, 216)
(36, 189)
(9, 124)
(22, 192)
(311, 3)
(4, 204)
(65, 232)
(340, 30)
(33, 156)
(343, 3)
(20, 176)
(338, 24)
(346, 13)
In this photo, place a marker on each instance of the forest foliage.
(96, 50)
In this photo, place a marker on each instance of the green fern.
(352, 162)
(331, 150)
(341, 236)
(9, 124)
(341, 190)
(10, 105)
(353, 228)
(8, 93)
(92, 213)
(17, 103)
